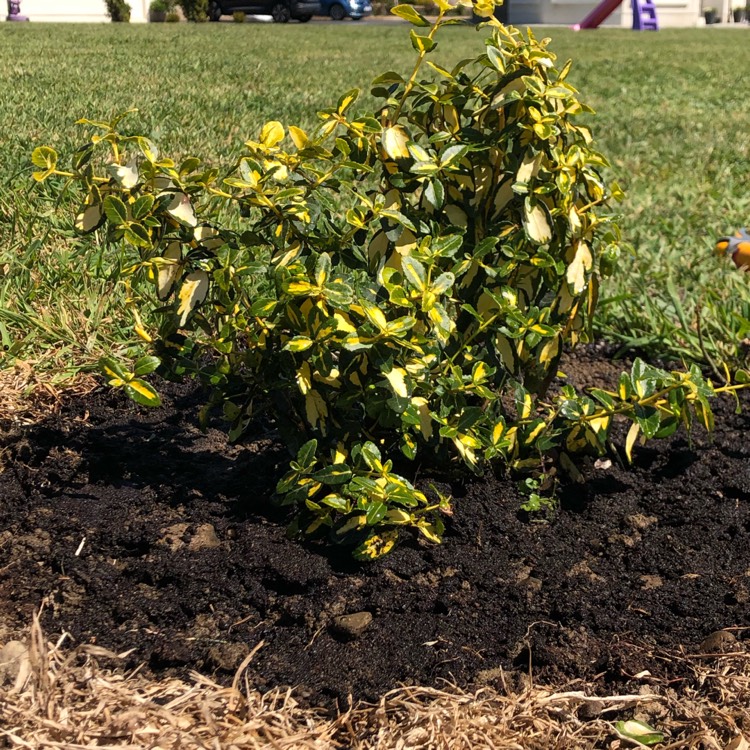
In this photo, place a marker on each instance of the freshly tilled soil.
(135, 530)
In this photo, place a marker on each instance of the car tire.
(281, 13)
(337, 12)
(214, 12)
(304, 19)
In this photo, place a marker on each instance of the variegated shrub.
(396, 285)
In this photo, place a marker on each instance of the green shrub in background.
(239, 16)
(401, 288)
(118, 10)
(194, 10)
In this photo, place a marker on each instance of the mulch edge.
(74, 698)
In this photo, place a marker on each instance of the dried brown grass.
(67, 700)
(26, 396)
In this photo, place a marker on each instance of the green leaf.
(298, 344)
(142, 393)
(375, 513)
(434, 193)
(415, 272)
(422, 44)
(649, 420)
(113, 369)
(116, 211)
(333, 474)
(306, 454)
(146, 365)
(142, 207)
(408, 13)
(45, 158)
(640, 732)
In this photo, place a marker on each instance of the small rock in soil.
(204, 538)
(14, 657)
(640, 522)
(350, 627)
(651, 582)
(719, 642)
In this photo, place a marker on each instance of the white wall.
(670, 13)
(74, 10)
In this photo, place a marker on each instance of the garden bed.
(136, 532)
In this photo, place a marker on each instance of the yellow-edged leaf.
(579, 267)
(316, 409)
(192, 292)
(425, 420)
(169, 270)
(298, 136)
(536, 222)
(630, 440)
(396, 379)
(394, 141)
(181, 209)
(272, 133)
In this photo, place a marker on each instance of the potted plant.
(738, 13)
(711, 14)
(157, 11)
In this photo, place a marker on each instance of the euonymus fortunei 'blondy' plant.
(402, 281)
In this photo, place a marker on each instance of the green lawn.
(673, 118)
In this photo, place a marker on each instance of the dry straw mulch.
(64, 698)
(26, 397)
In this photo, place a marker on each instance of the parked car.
(338, 10)
(282, 11)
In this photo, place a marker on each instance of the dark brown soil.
(138, 531)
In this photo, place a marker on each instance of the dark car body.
(281, 11)
(338, 10)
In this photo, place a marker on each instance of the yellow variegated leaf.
(331, 379)
(503, 196)
(466, 451)
(529, 167)
(271, 134)
(506, 351)
(90, 218)
(299, 287)
(396, 379)
(397, 516)
(181, 209)
(316, 409)
(579, 267)
(168, 271)
(600, 424)
(375, 315)
(192, 292)
(456, 215)
(304, 380)
(343, 323)
(208, 237)
(394, 140)
(497, 432)
(406, 242)
(378, 248)
(125, 176)
(630, 440)
(298, 136)
(527, 406)
(425, 420)
(550, 350)
(536, 222)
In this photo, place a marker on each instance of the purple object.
(14, 11)
(644, 16)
